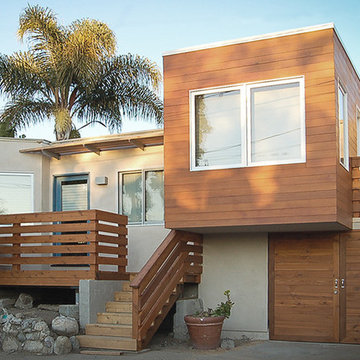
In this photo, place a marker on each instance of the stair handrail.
(179, 255)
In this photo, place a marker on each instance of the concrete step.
(119, 306)
(114, 318)
(109, 330)
(107, 342)
(123, 296)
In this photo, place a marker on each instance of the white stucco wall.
(11, 160)
(142, 239)
(238, 262)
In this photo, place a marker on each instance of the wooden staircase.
(130, 321)
(113, 329)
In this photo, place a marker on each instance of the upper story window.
(343, 128)
(16, 193)
(248, 125)
(142, 196)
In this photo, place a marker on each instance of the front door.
(314, 287)
(71, 193)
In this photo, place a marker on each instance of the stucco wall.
(238, 262)
(143, 239)
(11, 160)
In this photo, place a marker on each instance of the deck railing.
(355, 173)
(60, 248)
(156, 287)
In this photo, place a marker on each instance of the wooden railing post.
(16, 246)
(135, 315)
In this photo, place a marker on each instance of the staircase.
(130, 321)
(113, 329)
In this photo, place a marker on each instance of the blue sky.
(150, 28)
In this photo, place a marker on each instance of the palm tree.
(73, 72)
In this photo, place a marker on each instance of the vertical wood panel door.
(350, 287)
(303, 298)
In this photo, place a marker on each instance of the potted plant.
(205, 327)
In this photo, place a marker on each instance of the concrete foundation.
(93, 295)
(185, 307)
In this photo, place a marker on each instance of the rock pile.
(27, 331)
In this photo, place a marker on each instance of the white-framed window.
(141, 196)
(343, 127)
(16, 193)
(248, 124)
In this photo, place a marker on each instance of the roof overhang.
(139, 139)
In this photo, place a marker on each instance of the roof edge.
(251, 38)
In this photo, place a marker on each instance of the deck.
(61, 248)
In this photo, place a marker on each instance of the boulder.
(10, 344)
(69, 311)
(62, 345)
(6, 302)
(24, 301)
(75, 343)
(63, 325)
(43, 328)
(33, 346)
(48, 345)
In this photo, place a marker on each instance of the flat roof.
(138, 139)
(252, 38)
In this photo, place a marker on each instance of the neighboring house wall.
(295, 193)
(143, 239)
(12, 161)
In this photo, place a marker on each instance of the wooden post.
(16, 246)
(135, 315)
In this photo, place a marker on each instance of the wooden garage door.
(303, 300)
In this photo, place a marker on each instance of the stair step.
(123, 296)
(114, 318)
(102, 352)
(108, 330)
(119, 306)
(107, 342)
(126, 286)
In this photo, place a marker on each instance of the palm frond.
(22, 112)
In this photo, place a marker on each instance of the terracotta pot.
(205, 332)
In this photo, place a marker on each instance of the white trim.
(252, 38)
(143, 205)
(31, 175)
(245, 120)
(346, 163)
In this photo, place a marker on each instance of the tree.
(73, 72)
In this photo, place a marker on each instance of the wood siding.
(346, 75)
(261, 195)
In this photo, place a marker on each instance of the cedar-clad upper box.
(259, 133)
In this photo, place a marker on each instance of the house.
(261, 194)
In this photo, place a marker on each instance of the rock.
(75, 343)
(24, 301)
(21, 337)
(10, 344)
(62, 325)
(33, 336)
(6, 302)
(43, 328)
(62, 345)
(227, 344)
(48, 345)
(49, 307)
(69, 311)
(33, 346)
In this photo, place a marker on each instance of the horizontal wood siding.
(281, 194)
(345, 73)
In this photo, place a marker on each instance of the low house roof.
(139, 139)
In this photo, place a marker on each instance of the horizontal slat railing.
(61, 248)
(355, 172)
(156, 287)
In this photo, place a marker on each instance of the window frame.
(31, 175)
(341, 88)
(143, 194)
(245, 120)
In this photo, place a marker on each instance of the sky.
(150, 28)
